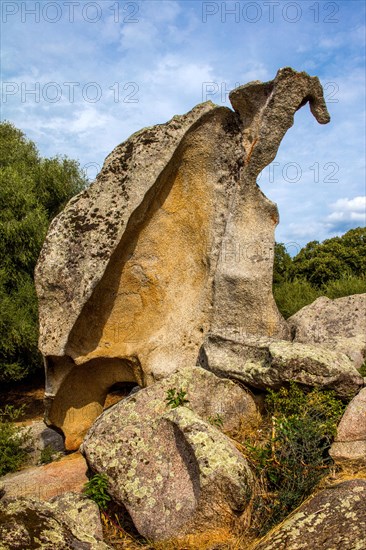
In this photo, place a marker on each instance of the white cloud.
(348, 211)
(355, 205)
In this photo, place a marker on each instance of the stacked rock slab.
(264, 363)
(174, 240)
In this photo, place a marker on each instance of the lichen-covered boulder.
(173, 239)
(333, 519)
(336, 324)
(174, 471)
(31, 524)
(350, 442)
(207, 395)
(81, 512)
(268, 363)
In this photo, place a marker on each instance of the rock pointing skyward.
(172, 242)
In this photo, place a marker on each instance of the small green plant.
(175, 398)
(362, 370)
(13, 441)
(293, 457)
(216, 420)
(47, 454)
(96, 489)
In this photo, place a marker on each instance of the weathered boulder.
(29, 523)
(268, 363)
(174, 471)
(350, 442)
(80, 511)
(173, 240)
(333, 519)
(336, 324)
(48, 481)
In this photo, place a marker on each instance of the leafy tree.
(332, 259)
(282, 268)
(32, 191)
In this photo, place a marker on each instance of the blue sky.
(79, 77)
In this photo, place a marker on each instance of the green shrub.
(97, 489)
(345, 286)
(47, 454)
(362, 370)
(175, 398)
(293, 457)
(13, 441)
(291, 296)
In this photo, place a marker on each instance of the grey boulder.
(338, 324)
(29, 523)
(350, 442)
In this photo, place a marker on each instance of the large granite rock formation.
(173, 240)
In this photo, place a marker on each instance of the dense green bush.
(32, 191)
(297, 432)
(345, 286)
(12, 440)
(291, 296)
(332, 259)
